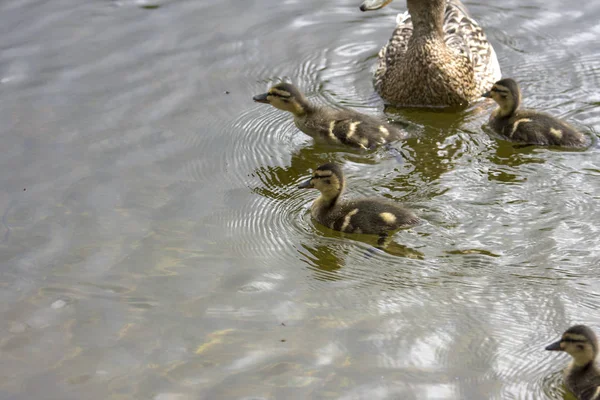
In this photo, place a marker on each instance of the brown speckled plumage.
(445, 59)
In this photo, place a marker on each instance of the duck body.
(528, 126)
(583, 382)
(367, 215)
(336, 126)
(437, 56)
(582, 376)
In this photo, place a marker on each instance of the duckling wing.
(373, 216)
(464, 35)
(363, 131)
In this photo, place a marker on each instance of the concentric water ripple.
(153, 243)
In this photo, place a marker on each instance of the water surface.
(153, 244)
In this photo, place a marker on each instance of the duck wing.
(463, 34)
(395, 47)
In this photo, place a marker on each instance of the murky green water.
(153, 244)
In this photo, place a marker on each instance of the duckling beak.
(370, 5)
(261, 98)
(487, 94)
(554, 346)
(306, 184)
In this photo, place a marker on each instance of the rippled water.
(153, 244)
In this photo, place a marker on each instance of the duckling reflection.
(527, 126)
(367, 215)
(343, 126)
(437, 56)
(582, 376)
(324, 258)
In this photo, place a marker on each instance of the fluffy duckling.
(528, 126)
(335, 126)
(582, 376)
(437, 56)
(368, 215)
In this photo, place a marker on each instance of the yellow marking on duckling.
(384, 131)
(596, 393)
(331, 135)
(352, 129)
(574, 336)
(388, 217)
(282, 93)
(347, 219)
(516, 125)
(364, 142)
(323, 174)
(556, 132)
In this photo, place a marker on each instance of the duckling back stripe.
(384, 131)
(516, 125)
(556, 132)
(388, 218)
(347, 219)
(352, 129)
(331, 128)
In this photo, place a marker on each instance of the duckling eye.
(580, 346)
(328, 181)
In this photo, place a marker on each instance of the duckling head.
(370, 5)
(507, 94)
(580, 342)
(286, 97)
(328, 179)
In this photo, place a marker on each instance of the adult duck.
(438, 56)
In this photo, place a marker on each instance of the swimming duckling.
(367, 215)
(582, 376)
(335, 126)
(437, 56)
(526, 126)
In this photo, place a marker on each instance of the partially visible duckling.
(367, 215)
(343, 126)
(582, 376)
(528, 126)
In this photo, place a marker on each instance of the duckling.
(438, 56)
(335, 126)
(367, 215)
(582, 376)
(527, 126)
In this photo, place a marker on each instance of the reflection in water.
(323, 259)
(160, 241)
